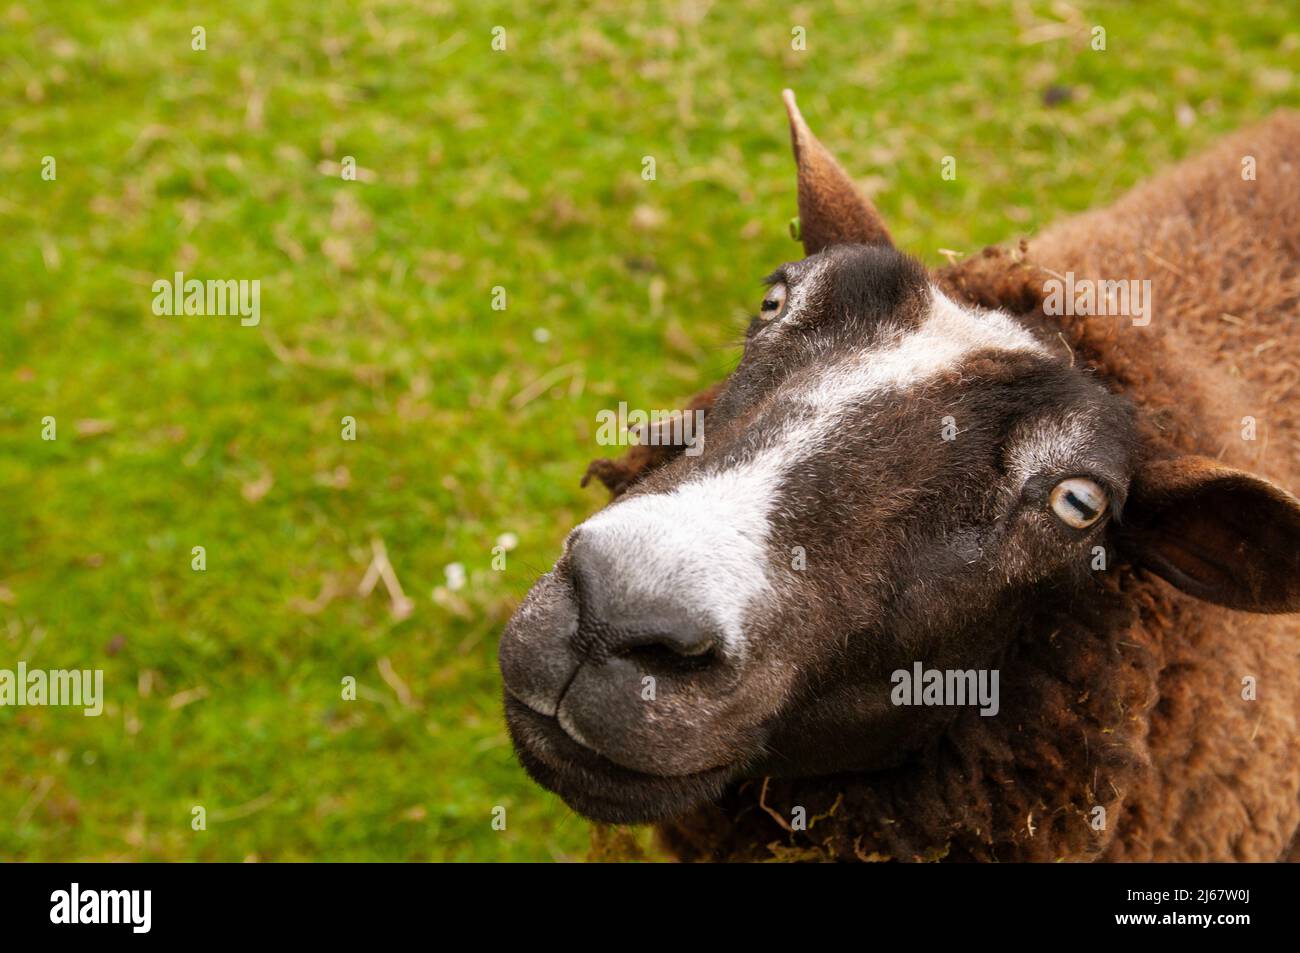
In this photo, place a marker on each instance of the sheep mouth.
(595, 786)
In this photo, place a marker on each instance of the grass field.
(476, 169)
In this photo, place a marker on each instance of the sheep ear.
(1217, 533)
(831, 209)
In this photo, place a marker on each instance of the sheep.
(1103, 524)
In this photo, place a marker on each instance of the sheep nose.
(621, 615)
(626, 643)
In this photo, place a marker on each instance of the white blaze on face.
(706, 541)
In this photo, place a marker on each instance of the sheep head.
(890, 482)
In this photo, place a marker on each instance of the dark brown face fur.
(873, 492)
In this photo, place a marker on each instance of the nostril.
(675, 652)
(691, 649)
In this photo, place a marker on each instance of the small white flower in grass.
(508, 541)
(541, 335)
(455, 573)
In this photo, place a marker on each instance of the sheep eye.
(773, 302)
(1078, 502)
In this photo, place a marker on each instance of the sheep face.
(878, 487)
(890, 484)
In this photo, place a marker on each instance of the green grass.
(480, 168)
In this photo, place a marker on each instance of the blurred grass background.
(477, 169)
